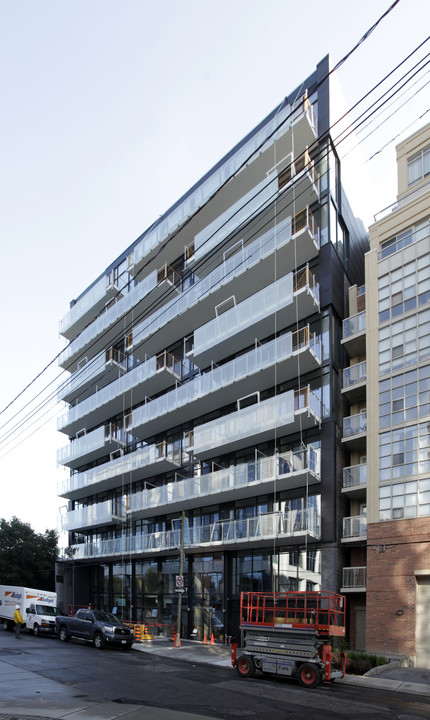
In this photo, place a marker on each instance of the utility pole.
(181, 573)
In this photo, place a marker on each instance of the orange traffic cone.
(212, 639)
(205, 640)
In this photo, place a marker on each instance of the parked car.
(97, 626)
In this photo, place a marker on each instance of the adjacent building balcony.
(354, 528)
(294, 527)
(221, 385)
(354, 334)
(355, 481)
(355, 431)
(353, 579)
(287, 413)
(354, 382)
(293, 297)
(145, 462)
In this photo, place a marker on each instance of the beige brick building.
(387, 432)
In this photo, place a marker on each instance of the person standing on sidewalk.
(18, 622)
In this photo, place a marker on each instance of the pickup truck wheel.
(245, 666)
(308, 675)
(98, 641)
(36, 630)
(64, 635)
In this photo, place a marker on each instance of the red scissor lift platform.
(290, 633)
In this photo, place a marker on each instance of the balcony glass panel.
(354, 578)
(243, 423)
(227, 479)
(354, 324)
(355, 424)
(271, 525)
(355, 475)
(354, 374)
(247, 313)
(355, 526)
(175, 217)
(99, 514)
(123, 384)
(148, 455)
(81, 446)
(84, 374)
(110, 315)
(96, 293)
(261, 357)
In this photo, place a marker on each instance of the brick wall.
(394, 551)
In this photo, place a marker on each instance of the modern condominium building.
(205, 388)
(387, 337)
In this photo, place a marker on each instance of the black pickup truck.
(97, 626)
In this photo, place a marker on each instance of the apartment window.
(404, 343)
(405, 500)
(404, 397)
(419, 166)
(404, 452)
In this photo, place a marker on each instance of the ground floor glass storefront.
(144, 590)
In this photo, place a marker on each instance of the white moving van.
(38, 608)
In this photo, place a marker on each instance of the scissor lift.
(290, 633)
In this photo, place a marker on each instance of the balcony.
(289, 471)
(296, 294)
(102, 514)
(152, 376)
(294, 526)
(354, 528)
(103, 331)
(354, 579)
(91, 446)
(250, 266)
(354, 334)
(355, 481)
(355, 430)
(140, 464)
(354, 382)
(89, 305)
(286, 413)
(224, 384)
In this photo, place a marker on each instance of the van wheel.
(64, 635)
(245, 666)
(98, 641)
(36, 630)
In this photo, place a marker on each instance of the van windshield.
(46, 610)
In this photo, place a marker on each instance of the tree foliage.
(26, 557)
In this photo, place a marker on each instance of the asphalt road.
(141, 678)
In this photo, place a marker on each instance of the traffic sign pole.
(181, 573)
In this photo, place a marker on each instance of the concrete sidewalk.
(25, 695)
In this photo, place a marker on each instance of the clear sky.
(110, 111)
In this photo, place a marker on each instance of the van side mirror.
(27, 610)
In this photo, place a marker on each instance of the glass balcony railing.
(100, 514)
(355, 424)
(111, 314)
(174, 218)
(262, 357)
(353, 325)
(146, 457)
(354, 527)
(224, 532)
(226, 480)
(354, 476)
(95, 294)
(354, 578)
(254, 309)
(354, 374)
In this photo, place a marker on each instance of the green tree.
(26, 557)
